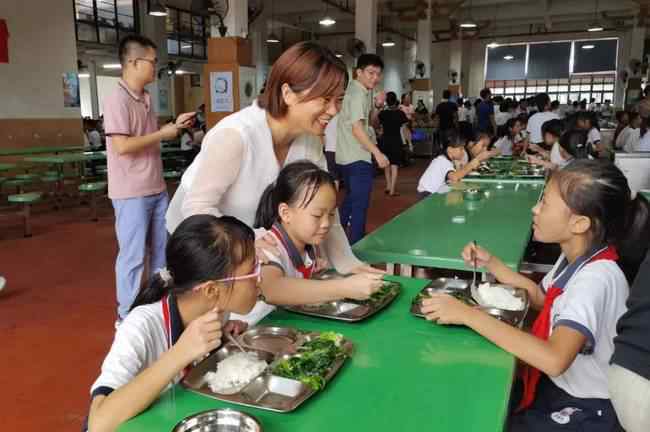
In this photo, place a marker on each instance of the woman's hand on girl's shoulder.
(201, 336)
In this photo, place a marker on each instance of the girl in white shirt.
(212, 271)
(505, 143)
(298, 210)
(441, 171)
(588, 209)
(628, 138)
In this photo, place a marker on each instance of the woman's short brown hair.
(306, 65)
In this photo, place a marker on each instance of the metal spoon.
(473, 288)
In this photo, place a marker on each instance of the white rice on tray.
(499, 297)
(235, 372)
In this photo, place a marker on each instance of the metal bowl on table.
(220, 420)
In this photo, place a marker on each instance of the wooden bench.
(93, 189)
(26, 200)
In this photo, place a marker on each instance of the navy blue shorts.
(554, 410)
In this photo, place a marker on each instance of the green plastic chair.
(26, 200)
(93, 189)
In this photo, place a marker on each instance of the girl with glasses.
(179, 318)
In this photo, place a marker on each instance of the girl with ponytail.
(298, 211)
(212, 271)
(603, 231)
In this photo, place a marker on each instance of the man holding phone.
(136, 185)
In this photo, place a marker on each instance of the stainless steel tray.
(267, 391)
(219, 420)
(348, 310)
(461, 289)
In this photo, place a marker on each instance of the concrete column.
(365, 23)
(92, 83)
(424, 45)
(455, 59)
(161, 91)
(236, 20)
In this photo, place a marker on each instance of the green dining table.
(6, 167)
(67, 158)
(39, 150)
(433, 232)
(406, 374)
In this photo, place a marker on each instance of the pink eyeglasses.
(257, 274)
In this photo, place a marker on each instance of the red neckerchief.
(168, 328)
(542, 328)
(305, 271)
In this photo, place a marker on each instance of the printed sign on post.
(221, 95)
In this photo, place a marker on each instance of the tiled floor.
(57, 311)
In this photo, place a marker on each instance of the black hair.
(293, 180)
(203, 248)
(554, 127)
(446, 94)
(644, 126)
(451, 139)
(468, 104)
(542, 101)
(555, 104)
(391, 99)
(586, 115)
(574, 142)
(620, 114)
(129, 42)
(366, 60)
(504, 107)
(646, 90)
(509, 125)
(599, 190)
(485, 93)
(575, 104)
(633, 116)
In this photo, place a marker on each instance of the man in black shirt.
(447, 112)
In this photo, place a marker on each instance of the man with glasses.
(135, 174)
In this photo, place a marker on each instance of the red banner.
(4, 42)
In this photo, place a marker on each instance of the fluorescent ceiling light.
(186, 46)
(157, 9)
(84, 75)
(181, 72)
(588, 47)
(388, 43)
(338, 55)
(112, 66)
(508, 57)
(469, 24)
(493, 45)
(595, 27)
(327, 21)
(272, 38)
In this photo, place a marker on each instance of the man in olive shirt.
(355, 147)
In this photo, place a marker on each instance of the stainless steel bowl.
(220, 420)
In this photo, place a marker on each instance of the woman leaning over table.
(244, 153)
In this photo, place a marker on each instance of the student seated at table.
(628, 138)
(479, 145)
(441, 171)
(560, 154)
(298, 211)
(622, 120)
(586, 120)
(587, 209)
(211, 271)
(510, 133)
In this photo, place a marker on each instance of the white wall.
(439, 69)
(42, 47)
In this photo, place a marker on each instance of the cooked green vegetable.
(387, 289)
(313, 360)
(456, 294)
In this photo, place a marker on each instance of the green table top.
(405, 374)
(7, 166)
(39, 150)
(426, 235)
(67, 158)
(504, 181)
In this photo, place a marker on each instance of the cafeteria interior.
(476, 112)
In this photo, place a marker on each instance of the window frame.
(99, 25)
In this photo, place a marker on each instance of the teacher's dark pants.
(357, 178)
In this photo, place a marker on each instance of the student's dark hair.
(366, 60)
(574, 142)
(203, 248)
(646, 90)
(485, 93)
(619, 115)
(644, 126)
(127, 43)
(523, 118)
(633, 116)
(304, 66)
(297, 184)
(468, 104)
(584, 116)
(555, 104)
(575, 104)
(541, 101)
(598, 190)
(554, 127)
(446, 94)
(504, 107)
(509, 125)
(391, 99)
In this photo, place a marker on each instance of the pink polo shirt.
(137, 174)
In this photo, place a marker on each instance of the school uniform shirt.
(434, 179)
(357, 105)
(289, 260)
(628, 139)
(504, 145)
(556, 157)
(592, 302)
(535, 123)
(142, 338)
(501, 118)
(593, 137)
